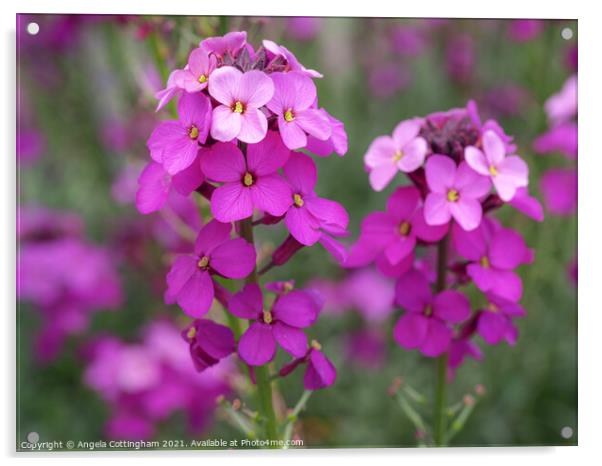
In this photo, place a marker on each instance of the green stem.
(292, 417)
(440, 423)
(262, 373)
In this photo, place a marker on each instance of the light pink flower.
(404, 151)
(241, 95)
(455, 192)
(231, 43)
(508, 173)
(293, 99)
(195, 77)
(292, 64)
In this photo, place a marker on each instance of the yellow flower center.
(238, 107)
(288, 286)
(453, 195)
(492, 307)
(397, 156)
(404, 228)
(203, 262)
(298, 200)
(315, 345)
(492, 170)
(202, 79)
(428, 311)
(485, 262)
(247, 180)
(191, 333)
(288, 115)
(193, 132)
(267, 317)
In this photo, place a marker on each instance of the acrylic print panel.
(260, 232)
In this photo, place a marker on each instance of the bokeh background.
(86, 103)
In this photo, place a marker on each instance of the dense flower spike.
(282, 323)
(189, 280)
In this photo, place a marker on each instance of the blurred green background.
(100, 74)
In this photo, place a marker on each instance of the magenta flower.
(195, 76)
(230, 43)
(425, 324)
(319, 373)
(281, 324)
(171, 90)
(494, 253)
(562, 107)
(308, 214)
(248, 184)
(459, 350)
(455, 192)
(292, 64)
(405, 151)
(294, 96)
(303, 28)
(189, 281)
(241, 96)
(209, 343)
(155, 185)
(337, 142)
(524, 30)
(396, 231)
(494, 322)
(175, 143)
(560, 138)
(527, 204)
(507, 173)
(559, 189)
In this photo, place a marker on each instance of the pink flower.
(425, 324)
(241, 95)
(494, 321)
(319, 373)
(309, 215)
(337, 142)
(524, 30)
(559, 189)
(175, 143)
(195, 76)
(303, 28)
(396, 231)
(231, 43)
(527, 204)
(155, 184)
(189, 281)
(405, 151)
(294, 95)
(171, 90)
(292, 64)
(281, 324)
(248, 183)
(461, 348)
(507, 173)
(561, 107)
(209, 343)
(493, 253)
(560, 138)
(455, 192)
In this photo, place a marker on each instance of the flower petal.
(154, 184)
(406, 131)
(211, 235)
(507, 249)
(467, 212)
(436, 209)
(271, 194)
(451, 306)
(403, 202)
(226, 124)
(196, 296)
(437, 339)
(296, 308)
(494, 147)
(412, 291)
(231, 202)
(314, 122)
(440, 173)
(224, 85)
(257, 345)
(253, 127)
(222, 162)
(476, 160)
(255, 89)
(247, 303)
(235, 258)
(292, 134)
(414, 154)
(301, 173)
(303, 226)
(320, 372)
(292, 340)
(180, 272)
(267, 156)
(410, 330)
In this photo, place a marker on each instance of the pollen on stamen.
(492, 307)
(191, 333)
(485, 262)
(238, 107)
(404, 228)
(288, 115)
(203, 262)
(453, 195)
(193, 132)
(267, 317)
(202, 79)
(397, 156)
(492, 170)
(298, 200)
(428, 311)
(247, 180)
(315, 345)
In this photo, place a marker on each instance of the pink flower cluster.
(66, 296)
(146, 382)
(454, 162)
(242, 117)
